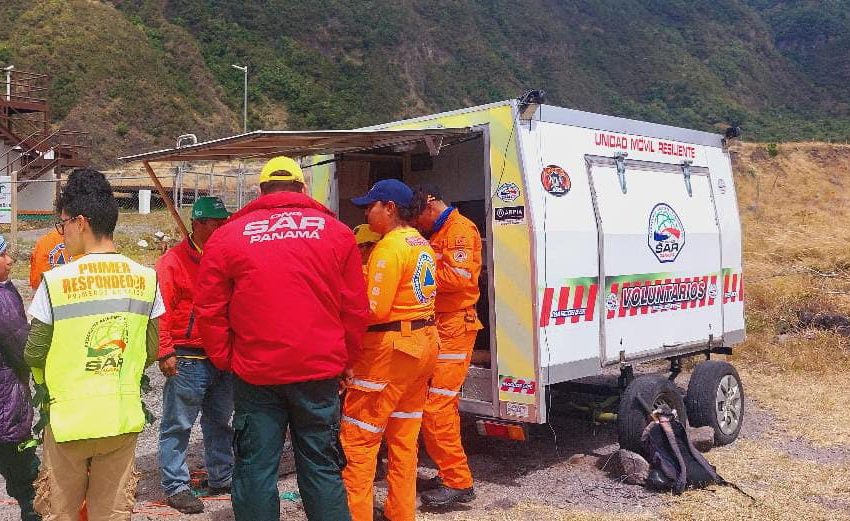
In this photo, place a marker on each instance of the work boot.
(424, 484)
(185, 503)
(218, 491)
(443, 496)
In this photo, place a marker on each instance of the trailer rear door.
(659, 257)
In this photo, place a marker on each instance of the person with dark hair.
(281, 303)
(390, 376)
(457, 243)
(94, 331)
(18, 467)
(193, 384)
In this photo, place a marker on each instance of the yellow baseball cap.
(281, 168)
(363, 234)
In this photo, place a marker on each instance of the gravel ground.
(567, 464)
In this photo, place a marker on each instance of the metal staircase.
(34, 148)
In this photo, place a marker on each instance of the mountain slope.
(137, 73)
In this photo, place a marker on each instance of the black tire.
(632, 417)
(705, 407)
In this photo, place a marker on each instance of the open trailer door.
(659, 257)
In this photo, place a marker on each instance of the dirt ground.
(566, 471)
(793, 454)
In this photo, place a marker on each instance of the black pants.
(20, 469)
(262, 414)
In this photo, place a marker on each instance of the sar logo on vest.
(105, 344)
(56, 257)
(424, 280)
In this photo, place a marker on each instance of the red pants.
(386, 401)
(441, 422)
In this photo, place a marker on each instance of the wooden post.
(168, 202)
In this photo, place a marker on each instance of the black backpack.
(675, 464)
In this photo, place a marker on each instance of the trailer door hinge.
(686, 173)
(620, 162)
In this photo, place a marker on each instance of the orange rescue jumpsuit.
(457, 245)
(49, 252)
(391, 375)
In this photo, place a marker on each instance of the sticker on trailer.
(733, 286)
(508, 192)
(555, 180)
(666, 236)
(510, 384)
(635, 295)
(519, 410)
(509, 214)
(571, 303)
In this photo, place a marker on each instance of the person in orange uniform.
(49, 252)
(457, 244)
(389, 379)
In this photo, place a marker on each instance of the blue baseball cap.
(3, 244)
(386, 190)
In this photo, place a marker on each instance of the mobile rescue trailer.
(608, 243)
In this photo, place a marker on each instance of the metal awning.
(269, 143)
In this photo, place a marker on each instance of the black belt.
(396, 326)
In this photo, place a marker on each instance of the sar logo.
(666, 235)
(424, 279)
(508, 192)
(106, 341)
(555, 180)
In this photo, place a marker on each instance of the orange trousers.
(386, 401)
(441, 421)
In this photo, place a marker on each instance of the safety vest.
(101, 306)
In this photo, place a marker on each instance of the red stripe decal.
(591, 303)
(735, 287)
(563, 296)
(577, 301)
(546, 306)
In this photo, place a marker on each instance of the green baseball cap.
(209, 208)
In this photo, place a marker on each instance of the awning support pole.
(168, 202)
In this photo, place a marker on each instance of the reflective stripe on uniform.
(363, 425)
(375, 386)
(410, 415)
(462, 272)
(444, 392)
(451, 356)
(100, 307)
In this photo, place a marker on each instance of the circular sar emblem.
(666, 235)
(424, 280)
(555, 180)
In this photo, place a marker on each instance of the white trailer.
(608, 243)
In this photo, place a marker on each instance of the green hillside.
(137, 73)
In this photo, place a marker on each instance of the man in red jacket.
(282, 303)
(193, 385)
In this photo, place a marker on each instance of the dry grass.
(794, 209)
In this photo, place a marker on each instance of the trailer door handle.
(620, 162)
(686, 173)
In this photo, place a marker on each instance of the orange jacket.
(401, 278)
(48, 253)
(457, 245)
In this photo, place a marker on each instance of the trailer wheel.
(716, 399)
(632, 417)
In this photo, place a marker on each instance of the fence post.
(240, 189)
(14, 234)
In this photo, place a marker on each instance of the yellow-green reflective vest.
(101, 306)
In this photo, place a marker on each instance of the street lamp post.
(244, 69)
